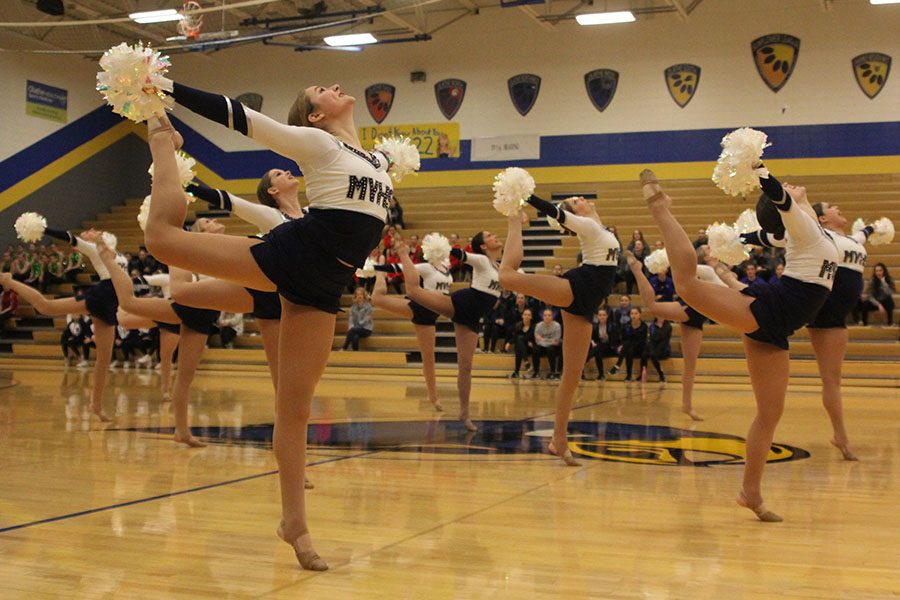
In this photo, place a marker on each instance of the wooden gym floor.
(407, 506)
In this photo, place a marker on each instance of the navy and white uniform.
(811, 261)
(593, 280)
(695, 319)
(435, 279)
(100, 299)
(163, 282)
(201, 320)
(472, 304)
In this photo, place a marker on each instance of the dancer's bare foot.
(845, 450)
(565, 456)
(762, 513)
(159, 125)
(302, 545)
(437, 405)
(653, 192)
(470, 426)
(97, 410)
(690, 412)
(188, 440)
(307, 484)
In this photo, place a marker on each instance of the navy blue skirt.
(266, 305)
(591, 285)
(170, 327)
(313, 259)
(848, 286)
(201, 320)
(470, 306)
(422, 315)
(102, 302)
(695, 319)
(782, 308)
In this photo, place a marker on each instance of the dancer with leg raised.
(766, 315)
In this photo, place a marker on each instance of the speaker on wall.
(51, 7)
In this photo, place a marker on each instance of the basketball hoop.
(190, 24)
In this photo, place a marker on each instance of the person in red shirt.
(9, 304)
(455, 263)
(395, 280)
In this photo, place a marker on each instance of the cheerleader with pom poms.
(99, 300)
(309, 261)
(435, 276)
(689, 320)
(828, 329)
(579, 291)
(766, 315)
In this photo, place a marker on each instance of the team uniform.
(593, 280)
(472, 304)
(100, 299)
(810, 265)
(695, 319)
(433, 279)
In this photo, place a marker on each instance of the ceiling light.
(156, 16)
(884, 1)
(605, 18)
(353, 39)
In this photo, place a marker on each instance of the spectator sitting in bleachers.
(751, 278)
(231, 325)
(395, 213)
(634, 339)
(360, 323)
(606, 339)
(779, 271)
(878, 296)
(73, 339)
(548, 339)
(496, 324)
(456, 264)
(658, 347)
(522, 341)
(9, 304)
(701, 240)
(395, 280)
(663, 287)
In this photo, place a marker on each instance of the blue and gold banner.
(434, 140)
(46, 102)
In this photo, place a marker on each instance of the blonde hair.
(298, 116)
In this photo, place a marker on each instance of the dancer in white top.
(435, 276)
(579, 291)
(766, 315)
(99, 301)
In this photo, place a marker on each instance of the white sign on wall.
(507, 147)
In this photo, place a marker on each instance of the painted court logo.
(775, 57)
(601, 86)
(616, 442)
(379, 100)
(682, 82)
(871, 71)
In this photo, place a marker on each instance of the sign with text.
(46, 102)
(434, 140)
(507, 147)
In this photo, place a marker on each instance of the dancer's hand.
(5, 279)
(90, 235)
(401, 248)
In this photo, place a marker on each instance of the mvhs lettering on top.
(852, 257)
(368, 189)
(829, 268)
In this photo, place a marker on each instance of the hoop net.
(190, 24)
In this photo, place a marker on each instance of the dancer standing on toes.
(579, 291)
(690, 324)
(434, 275)
(309, 261)
(828, 329)
(766, 315)
(195, 327)
(466, 308)
(99, 301)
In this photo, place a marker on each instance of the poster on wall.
(449, 94)
(601, 86)
(523, 91)
(434, 140)
(682, 81)
(46, 102)
(379, 100)
(507, 147)
(775, 56)
(872, 70)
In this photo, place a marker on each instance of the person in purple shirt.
(751, 279)
(663, 288)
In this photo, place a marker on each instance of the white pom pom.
(133, 81)
(734, 172)
(30, 227)
(658, 261)
(110, 240)
(402, 155)
(185, 168)
(512, 187)
(435, 248)
(858, 225)
(725, 244)
(368, 269)
(884, 232)
(144, 213)
(747, 222)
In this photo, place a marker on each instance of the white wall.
(486, 50)
(72, 73)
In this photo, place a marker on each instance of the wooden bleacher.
(872, 356)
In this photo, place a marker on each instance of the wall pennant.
(379, 100)
(450, 94)
(601, 86)
(682, 81)
(872, 70)
(775, 57)
(523, 91)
